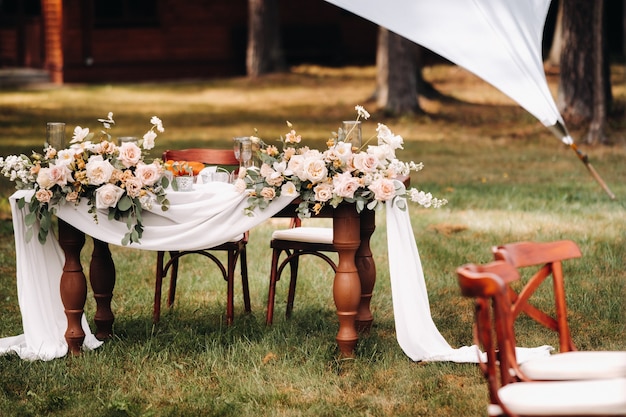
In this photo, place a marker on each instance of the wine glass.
(237, 148)
(246, 152)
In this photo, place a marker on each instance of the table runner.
(212, 214)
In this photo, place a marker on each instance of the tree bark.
(396, 74)
(264, 52)
(597, 127)
(584, 86)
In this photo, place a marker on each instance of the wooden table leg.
(102, 278)
(73, 285)
(346, 287)
(367, 271)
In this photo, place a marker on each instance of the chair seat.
(305, 234)
(577, 365)
(571, 398)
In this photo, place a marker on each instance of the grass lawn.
(506, 179)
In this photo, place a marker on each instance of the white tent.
(497, 40)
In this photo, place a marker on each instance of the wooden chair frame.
(548, 257)
(236, 250)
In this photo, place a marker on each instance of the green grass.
(506, 179)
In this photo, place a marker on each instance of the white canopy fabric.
(497, 40)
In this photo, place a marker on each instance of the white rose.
(43, 178)
(98, 170)
(315, 170)
(108, 195)
(296, 165)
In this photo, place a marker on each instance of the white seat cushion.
(577, 365)
(305, 234)
(591, 397)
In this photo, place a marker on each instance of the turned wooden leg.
(367, 271)
(346, 287)
(73, 285)
(102, 278)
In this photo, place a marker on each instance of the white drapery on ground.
(211, 215)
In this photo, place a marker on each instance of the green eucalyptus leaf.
(125, 203)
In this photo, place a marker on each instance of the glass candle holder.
(351, 132)
(55, 135)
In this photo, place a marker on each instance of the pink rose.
(148, 173)
(384, 189)
(130, 154)
(268, 193)
(133, 186)
(345, 185)
(323, 192)
(365, 162)
(43, 195)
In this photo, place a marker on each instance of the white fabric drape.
(497, 40)
(416, 332)
(211, 215)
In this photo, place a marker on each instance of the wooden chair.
(295, 242)
(236, 249)
(546, 259)
(509, 394)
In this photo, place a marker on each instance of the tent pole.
(560, 131)
(592, 171)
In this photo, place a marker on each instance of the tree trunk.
(396, 80)
(264, 52)
(597, 127)
(584, 86)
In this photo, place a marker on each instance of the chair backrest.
(223, 157)
(547, 258)
(493, 325)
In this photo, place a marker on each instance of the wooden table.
(352, 288)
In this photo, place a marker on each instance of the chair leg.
(272, 289)
(293, 266)
(243, 260)
(230, 287)
(156, 313)
(173, 278)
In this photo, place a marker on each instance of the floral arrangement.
(367, 176)
(110, 177)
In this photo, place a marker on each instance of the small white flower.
(158, 124)
(108, 121)
(289, 189)
(148, 140)
(360, 110)
(79, 134)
